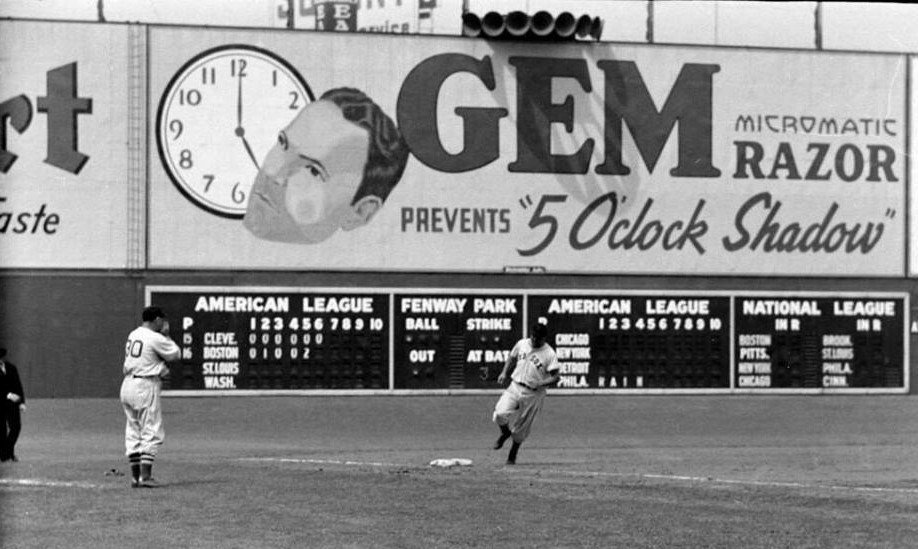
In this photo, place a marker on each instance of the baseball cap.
(539, 330)
(152, 313)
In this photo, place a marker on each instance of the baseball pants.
(9, 416)
(143, 432)
(517, 409)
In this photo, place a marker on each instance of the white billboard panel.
(64, 154)
(564, 157)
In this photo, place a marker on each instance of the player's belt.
(520, 383)
(143, 377)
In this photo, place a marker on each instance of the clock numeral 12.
(242, 64)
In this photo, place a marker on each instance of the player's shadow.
(531, 464)
(189, 483)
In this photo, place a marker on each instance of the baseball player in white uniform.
(535, 366)
(145, 354)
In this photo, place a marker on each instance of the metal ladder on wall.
(136, 147)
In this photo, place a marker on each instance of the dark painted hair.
(388, 151)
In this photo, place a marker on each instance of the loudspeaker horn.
(596, 31)
(471, 24)
(518, 23)
(565, 24)
(493, 23)
(542, 23)
(584, 25)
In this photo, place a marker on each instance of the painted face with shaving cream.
(305, 187)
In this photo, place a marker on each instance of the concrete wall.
(65, 331)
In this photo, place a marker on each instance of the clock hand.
(248, 148)
(239, 105)
(240, 131)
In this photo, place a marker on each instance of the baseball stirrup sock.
(513, 451)
(146, 466)
(134, 460)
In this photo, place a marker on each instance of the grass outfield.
(598, 471)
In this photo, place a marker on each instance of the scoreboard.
(622, 341)
(265, 339)
(801, 341)
(254, 339)
(455, 340)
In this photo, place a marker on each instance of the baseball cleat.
(149, 483)
(135, 483)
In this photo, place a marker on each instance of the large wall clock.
(219, 116)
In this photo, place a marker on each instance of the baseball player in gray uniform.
(535, 366)
(147, 349)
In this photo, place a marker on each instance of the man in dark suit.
(12, 403)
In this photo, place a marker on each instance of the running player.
(534, 367)
(145, 354)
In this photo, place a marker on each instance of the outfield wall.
(625, 171)
(68, 330)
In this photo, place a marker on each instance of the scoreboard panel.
(286, 339)
(808, 341)
(265, 339)
(638, 341)
(454, 341)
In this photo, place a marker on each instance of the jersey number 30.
(133, 348)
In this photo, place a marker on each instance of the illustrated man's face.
(305, 186)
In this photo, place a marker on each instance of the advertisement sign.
(68, 10)
(467, 156)
(336, 15)
(64, 174)
(375, 16)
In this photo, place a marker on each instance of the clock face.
(219, 117)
